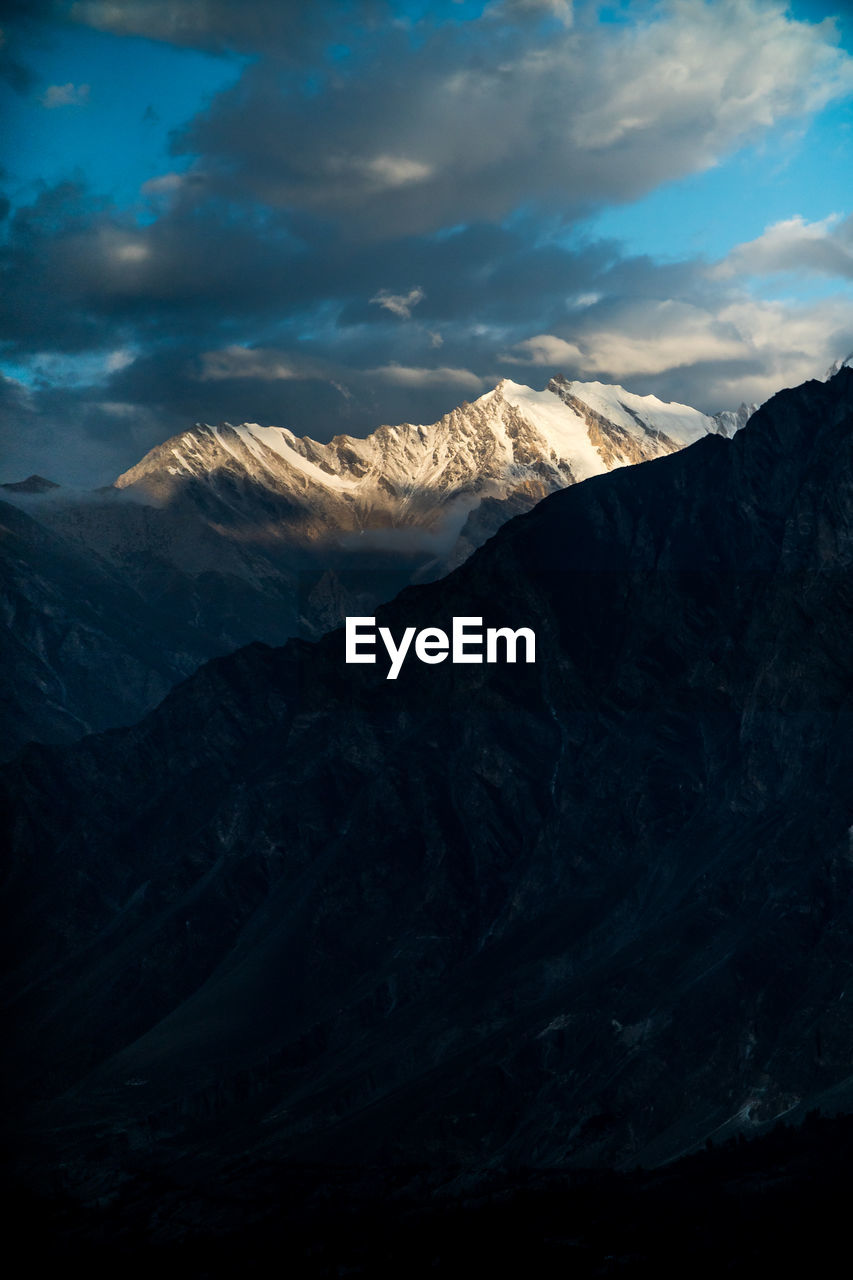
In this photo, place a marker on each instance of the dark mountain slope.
(80, 648)
(741, 1209)
(591, 910)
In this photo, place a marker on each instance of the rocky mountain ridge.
(227, 534)
(428, 478)
(590, 911)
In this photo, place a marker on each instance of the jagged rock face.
(407, 496)
(589, 910)
(229, 534)
(421, 478)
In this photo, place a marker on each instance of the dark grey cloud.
(209, 313)
(376, 235)
(36, 426)
(78, 275)
(20, 23)
(283, 27)
(288, 29)
(415, 136)
(16, 74)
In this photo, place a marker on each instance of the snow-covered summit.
(730, 421)
(236, 532)
(514, 442)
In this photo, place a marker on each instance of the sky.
(332, 215)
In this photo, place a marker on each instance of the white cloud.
(119, 359)
(655, 335)
(118, 408)
(799, 336)
(65, 95)
(396, 171)
(714, 355)
(399, 303)
(824, 248)
(544, 349)
(376, 174)
(581, 300)
(90, 368)
(718, 73)
(408, 376)
(164, 183)
(131, 251)
(784, 344)
(246, 362)
(645, 337)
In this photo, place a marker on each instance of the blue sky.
(708, 213)
(117, 137)
(358, 211)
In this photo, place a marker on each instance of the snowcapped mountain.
(228, 534)
(513, 443)
(590, 911)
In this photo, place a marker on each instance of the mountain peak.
(32, 484)
(490, 852)
(448, 484)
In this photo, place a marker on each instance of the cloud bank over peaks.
(415, 137)
(711, 356)
(387, 207)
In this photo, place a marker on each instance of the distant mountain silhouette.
(32, 484)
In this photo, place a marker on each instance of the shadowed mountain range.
(590, 911)
(228, 534)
